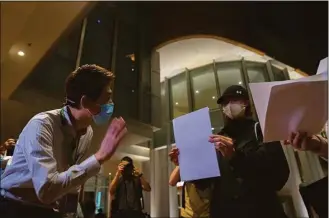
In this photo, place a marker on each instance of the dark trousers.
(14, 209)
(128, 214)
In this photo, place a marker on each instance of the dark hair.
(88, 80)
(128, 159)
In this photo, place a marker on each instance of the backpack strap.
(255, 129)
(139, 192)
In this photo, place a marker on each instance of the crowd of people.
(51, 160)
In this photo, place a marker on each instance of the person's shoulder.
(47, 119)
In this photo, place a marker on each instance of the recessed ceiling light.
(213, 97)
(212, 128)
(21, 53)
(176, 103)
(240, 83)
(197, 91)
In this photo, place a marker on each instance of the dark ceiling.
(295, 33)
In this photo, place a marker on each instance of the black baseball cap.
(234, 91)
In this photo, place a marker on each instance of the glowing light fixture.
(213, 97)
(21, 53)
(240, 83)
(176, 103)
(197, 91)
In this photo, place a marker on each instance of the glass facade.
(96, 189)
(204, 92)
(178, 96)
(200, 87)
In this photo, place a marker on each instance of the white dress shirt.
(41, 171)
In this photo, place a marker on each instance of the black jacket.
(251, 177)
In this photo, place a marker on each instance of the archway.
(193, 71)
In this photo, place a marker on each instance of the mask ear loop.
(68, 102)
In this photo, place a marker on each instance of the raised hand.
(173, 154)
(114, 134)
(301, 141)
(8, 144)
(137, 172)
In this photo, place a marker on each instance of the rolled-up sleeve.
(48, 183)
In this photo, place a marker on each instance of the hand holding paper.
(291, 106)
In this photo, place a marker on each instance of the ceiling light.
(132, 69)
(132, 90)
(21, 53)
(212, 128)
(98, 21)
(240, 83)
(197, 91)
(213, 97)
(176, 103)
(131, 56)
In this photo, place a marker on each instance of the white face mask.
(234, 110)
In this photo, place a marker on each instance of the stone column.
(292, 186)
(160, 191)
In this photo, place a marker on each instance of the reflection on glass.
(229, 74)
(204, 87)
(178, 90)
(217, 121)
(257, 73)
(98, 39)
(127, 74)
(278, 74)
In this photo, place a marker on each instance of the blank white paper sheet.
(197, 156)
(291, 106)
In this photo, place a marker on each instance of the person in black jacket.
(127, 190)
(251, 171)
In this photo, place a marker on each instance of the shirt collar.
(68, 126)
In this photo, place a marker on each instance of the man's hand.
(115, 133)
(301, 141)
(223, 144)
(173, 154)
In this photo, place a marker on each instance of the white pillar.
(145, 166)
(173, 199)
(152, 183)
(292, 185)
(160, 192)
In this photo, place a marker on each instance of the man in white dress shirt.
(51, 154)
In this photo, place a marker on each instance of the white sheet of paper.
(290, 106)
(323, 66)
(197, 156)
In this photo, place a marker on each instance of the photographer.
(6, 153)
(127, 188)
